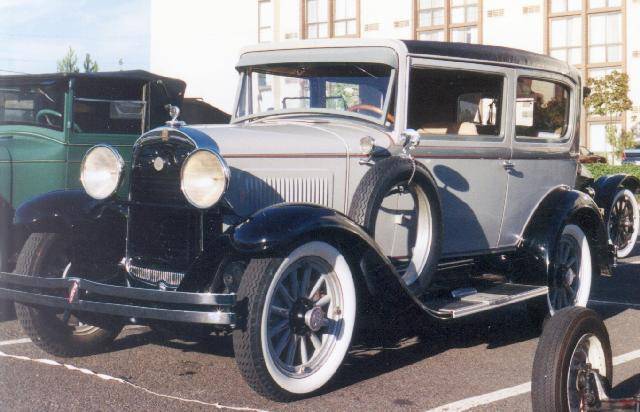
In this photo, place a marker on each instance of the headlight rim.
(225, 170)
(119, 160)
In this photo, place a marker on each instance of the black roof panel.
(498, 54)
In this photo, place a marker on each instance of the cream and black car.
(354, 174)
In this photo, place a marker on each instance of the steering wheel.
(371, 109)
(49, 112)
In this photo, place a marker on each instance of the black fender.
(275, 230)
(6, 218)
(560, 207)
(94, 227)
(605, 188)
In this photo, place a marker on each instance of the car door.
(547, 108)
(461, 110)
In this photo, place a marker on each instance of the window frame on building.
(448, 27)
(331, 20)
(262, 26)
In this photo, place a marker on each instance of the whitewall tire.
(623, 222)
(300, 317)
(571, 283)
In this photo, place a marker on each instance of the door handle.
(508, 165)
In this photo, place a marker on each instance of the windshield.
(358, 89)
(37, 104)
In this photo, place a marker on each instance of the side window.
(455, 102)
(542, 109)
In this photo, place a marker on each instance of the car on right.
(631, 156)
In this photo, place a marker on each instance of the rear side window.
(542, 109)
(455, 103)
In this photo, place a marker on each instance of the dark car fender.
(606, 188)
(92, 226)
(560, 207)
(275, 230)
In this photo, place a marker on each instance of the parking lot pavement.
(482, 363)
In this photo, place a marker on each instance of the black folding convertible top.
(502, 55)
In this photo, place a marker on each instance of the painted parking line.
(14, 341)
(506, 393)
(104, 377)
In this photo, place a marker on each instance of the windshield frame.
(246, 78)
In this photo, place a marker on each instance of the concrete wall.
(199, 42)
(514, 28)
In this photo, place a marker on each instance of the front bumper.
(77, 294)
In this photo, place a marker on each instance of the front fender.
(563, 206)
(605, 188)
(92, 226)
(274, 230)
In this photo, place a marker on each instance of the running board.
(470, 301)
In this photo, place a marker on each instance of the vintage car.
(357, 177)
(49, 121)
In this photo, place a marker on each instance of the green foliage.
(610, 98)
(609, 95)
(602, 169)
(69, 63)
(90, 65)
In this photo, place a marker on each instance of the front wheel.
(623, 222)
(58, 332)
(570, 284)
(300, 315)
(574, 341)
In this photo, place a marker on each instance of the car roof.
(140, 75)
(504, 56)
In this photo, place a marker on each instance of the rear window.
(542, 109)
(36, 104)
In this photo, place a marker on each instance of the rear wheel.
(61, 333)
(571, 283)
(572, 339)
(300, 316)
(623, 222)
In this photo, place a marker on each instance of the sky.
(35, 34)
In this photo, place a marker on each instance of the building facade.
(597, 36)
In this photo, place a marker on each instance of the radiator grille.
(171, 279)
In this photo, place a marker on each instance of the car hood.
(289, 161)
(291, 138)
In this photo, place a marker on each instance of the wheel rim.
(58, 264)
(304, 317)
(571, 283)
(623, 222)
(405, 212)
(588, 350)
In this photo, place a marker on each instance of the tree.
(610, 98)
(69, 63)
(89, 65)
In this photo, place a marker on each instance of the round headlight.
(101, 171)
(205, 176)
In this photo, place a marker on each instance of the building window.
(464, 35)
(345, 18)
(432, 35)
(431, 13)
(605, 37)
(563, 6)
(447, 20)
(601, 4)
(265, 21)
(317, 19)
(566, 39)
(464, 11)
(331, 18)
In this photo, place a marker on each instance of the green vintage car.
(48, 121)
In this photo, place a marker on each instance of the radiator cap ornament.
(174, 112)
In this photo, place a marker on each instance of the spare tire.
(397, 203)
